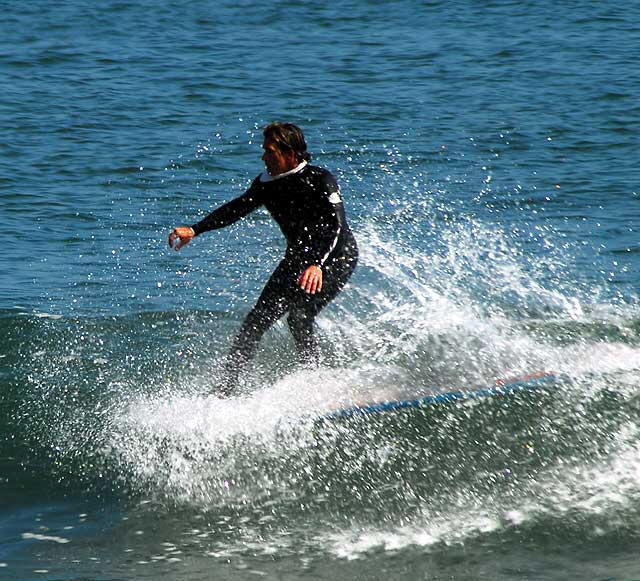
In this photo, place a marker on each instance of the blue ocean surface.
(487, 153)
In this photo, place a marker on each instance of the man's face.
(277, 160)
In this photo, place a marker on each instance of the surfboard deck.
(530, 382)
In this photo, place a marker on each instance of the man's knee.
(300, 322)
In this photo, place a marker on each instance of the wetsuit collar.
(266, 177)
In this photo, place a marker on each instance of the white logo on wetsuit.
(334, 198)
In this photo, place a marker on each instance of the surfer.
(321, 251)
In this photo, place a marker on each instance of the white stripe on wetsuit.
(335, 242)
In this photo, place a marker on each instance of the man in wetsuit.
(321, 251)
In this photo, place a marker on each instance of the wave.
(125, 405)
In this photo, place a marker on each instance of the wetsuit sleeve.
(230, 212)
(331, 220)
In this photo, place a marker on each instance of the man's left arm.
(330, 221)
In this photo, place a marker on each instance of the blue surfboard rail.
(531, 382)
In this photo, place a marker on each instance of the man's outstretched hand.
(183, 237)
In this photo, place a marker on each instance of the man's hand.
(183, 235)
(311, 279)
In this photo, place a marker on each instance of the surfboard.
(530, 382)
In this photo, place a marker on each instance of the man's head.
(284, 147)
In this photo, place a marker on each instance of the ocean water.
(487, 153)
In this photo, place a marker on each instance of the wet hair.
(288, 136)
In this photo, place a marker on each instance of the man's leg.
(305, 307)
(273, 303)
(300, 320)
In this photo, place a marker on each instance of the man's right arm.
(223, 216)
(228, 213)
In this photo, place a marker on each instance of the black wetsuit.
(307, 206)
